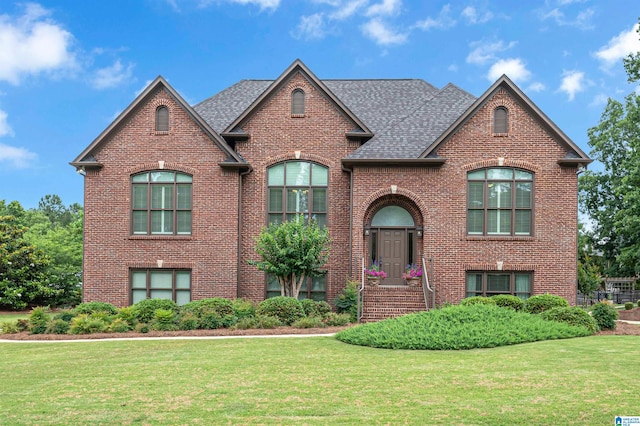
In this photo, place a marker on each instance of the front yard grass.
(317, 380)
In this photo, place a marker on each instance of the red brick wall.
(110, 250)
(439, 195)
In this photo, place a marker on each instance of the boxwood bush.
(144, 310)
(477, 300)
(91, 307)
(38, 320)
(286, 309)
(628, 306)
(204, 307)
(572, 315)
(544, 302)
(509, 301)
(243, 308)
(605, 315)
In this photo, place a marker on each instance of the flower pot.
(414, 282)
(373, 281)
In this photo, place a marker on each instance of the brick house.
(483, 189)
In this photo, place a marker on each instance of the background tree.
(611, 197)
(292, 251)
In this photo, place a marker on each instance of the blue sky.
(68, 67)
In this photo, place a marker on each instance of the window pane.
(319, 283)
(474, 283)
(298, 200)
(275, 218)
(162, 176)
(183, 196)
(499, 195)
(500, 174)
(523, 283)
(522, 175)
(523, 222)
(183, 279)
(272, 283)
(392, 216)
(321, 218)
(523, 195)
(143, 177)
(162, 222)
(139, 295)
(498, 283)
(319, 175)
(275, 199)
(183, 297)
(298, 173)
(276, 175)
(140, 196)
(477, 175)
(183, 222)
(140, 222)
(319, 200)
(161, 294)
(475, 221)
(181, 177)
(139, 279)
(476, 195)
(499, 221)
(161, 279)
(162, 196)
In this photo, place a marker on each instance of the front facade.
(483, 189)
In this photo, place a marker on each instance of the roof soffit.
(518, 95)
(296, 67)
(158, 84)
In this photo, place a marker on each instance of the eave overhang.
(575, 162)
(235, 166)
(350, 163)
(86, 165)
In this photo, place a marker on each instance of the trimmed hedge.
(605, 315)
(509, 301)
(144, 311)
(477, 300)
(544, 302)
(572, 315)
(286, 309)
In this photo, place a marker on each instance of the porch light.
(419, 231)
(367, 231)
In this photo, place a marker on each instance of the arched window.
(499, 202)
(297, 102)
(162, 119)
(501, 120)
(161, 203)
(392, 216)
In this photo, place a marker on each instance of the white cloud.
(443, 21)
(381, 34)
(263, 4)
(619, 46)
(536, 87)
(582, 19)
(18, 158)
(513, 68)
(347, 10)
(599, 100)
(31, 44)
(112, 76)
(573, 82)
(471, 15)
(5, 129)
(386, 8)
(484, 51)
(310, 27)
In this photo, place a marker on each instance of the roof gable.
(86, 158)
(574, 156)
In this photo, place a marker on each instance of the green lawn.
(318, 380)
(13, 317)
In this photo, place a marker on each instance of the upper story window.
(297, 102)
(500, 120)
(161, 203)
(297, 187)
(162, 119)
(499, 202)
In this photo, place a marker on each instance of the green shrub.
(127, 314)
(334, 319)
(210, 321)
(572, 315)
(309, 322)
(103, 316)
(347, 300)
(38, 320)
(544, 302)
(57, 326)
(66, 315)
(9, 327)
(243, 308)
(628, 306)
(188, 321)
(478, 300)
(638, 303)
(201, 308)
(142, 327)
(310, 307)
(605, 315)
(164, 320)
(22, 325)
(459, 327)
(266, 321)
(245, 323)
(323, 307)
(286, 309)
(91, 307)
(144, 310)
(509, 301)
(86, 324)
(119, 325)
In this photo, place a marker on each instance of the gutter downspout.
(350, 244)
(239, 255)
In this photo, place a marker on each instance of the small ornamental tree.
(292, 251)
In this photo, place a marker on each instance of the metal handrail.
(360, 291)
(426, 287)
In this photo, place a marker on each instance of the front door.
(393, 252)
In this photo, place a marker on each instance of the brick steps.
(388, 302)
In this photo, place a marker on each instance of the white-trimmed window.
(499, 202)
(172, 284)
(161, 203)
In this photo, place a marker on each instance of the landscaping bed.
(629, 315)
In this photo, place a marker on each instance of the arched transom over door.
(392, 242)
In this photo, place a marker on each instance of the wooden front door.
(393, 252)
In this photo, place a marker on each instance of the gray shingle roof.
(406, 116)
